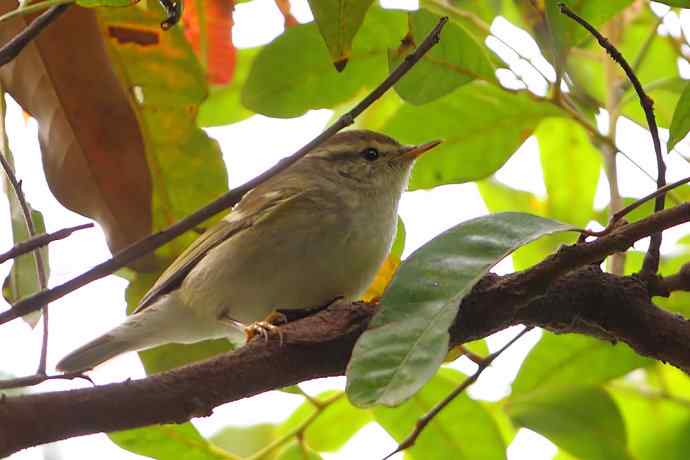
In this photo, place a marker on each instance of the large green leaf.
(293, 73)
(244, 441)
(571, 167)
(559, 362)
(464, 430)
(298, 451)
(680, 124)
(658, 426)
(223, 105)
(456, 60)
(169, 442)
(407, 339)
(583, 421)
(481, 125)
(339, 21)
(328, 432)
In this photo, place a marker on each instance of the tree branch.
(40, 240)
(156, 240)
(651, 261)
(564, 293)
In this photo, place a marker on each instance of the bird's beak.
(415, 151)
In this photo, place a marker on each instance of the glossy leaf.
(307, 79)
(476, 143)
(223, 105)
(244, 441)
(169, 442)
(559, 362)
(571, 167)
(338, 22)
(407, 339)
(464, 429)
(680, 125)
(583, 421)
(327, 433)
(456, 60)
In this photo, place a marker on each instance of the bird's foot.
(270, 325)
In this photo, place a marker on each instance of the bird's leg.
(267, 326)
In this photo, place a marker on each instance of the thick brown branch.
(555, 295)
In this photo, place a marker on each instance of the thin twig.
(156, 240)
(429, 416)
(39, 263)
(12, 48)
(31, 380)
(40, 240)
(651, 260)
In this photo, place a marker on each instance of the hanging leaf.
(338, 22)
(407, 339)
(476, 143)
(456, 60)
(168, 442)
(464, 427)
(680, 124)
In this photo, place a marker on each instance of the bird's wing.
(251, 209)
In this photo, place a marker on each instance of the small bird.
(316, 232)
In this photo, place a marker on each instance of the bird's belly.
(296, 271)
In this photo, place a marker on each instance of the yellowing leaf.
(383, 278)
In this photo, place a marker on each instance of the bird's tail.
(163, 322)
(96, 352)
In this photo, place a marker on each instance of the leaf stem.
(33, 8)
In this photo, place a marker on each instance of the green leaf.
(658, 426)
(583, 421)
(223, 105)
(107, 3)
(407, 339)
(244, 441)
(307, 79)
(567, 32)
(476, 142)
(23, 279)
(298, 451)
(456, 60)
(399, 241)
(571, 167)
(464, 428)
(328, 432)
(680, 124)
(169, 442)
(339, 21)
(678, 3)
(559, 362)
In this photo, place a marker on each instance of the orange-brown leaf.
(93, 151)
(216, 22)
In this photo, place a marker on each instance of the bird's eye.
(370, 154)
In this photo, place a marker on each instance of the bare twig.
(668, 284)
(651, 261)
(410, 440)
(12, 49)
(152, 242)
(31, 229)
(40, 240)
(173, 9)
(617, 216)
(31, 380)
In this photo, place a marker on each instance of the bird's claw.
(267, 327)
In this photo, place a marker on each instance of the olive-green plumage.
(314, 232)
